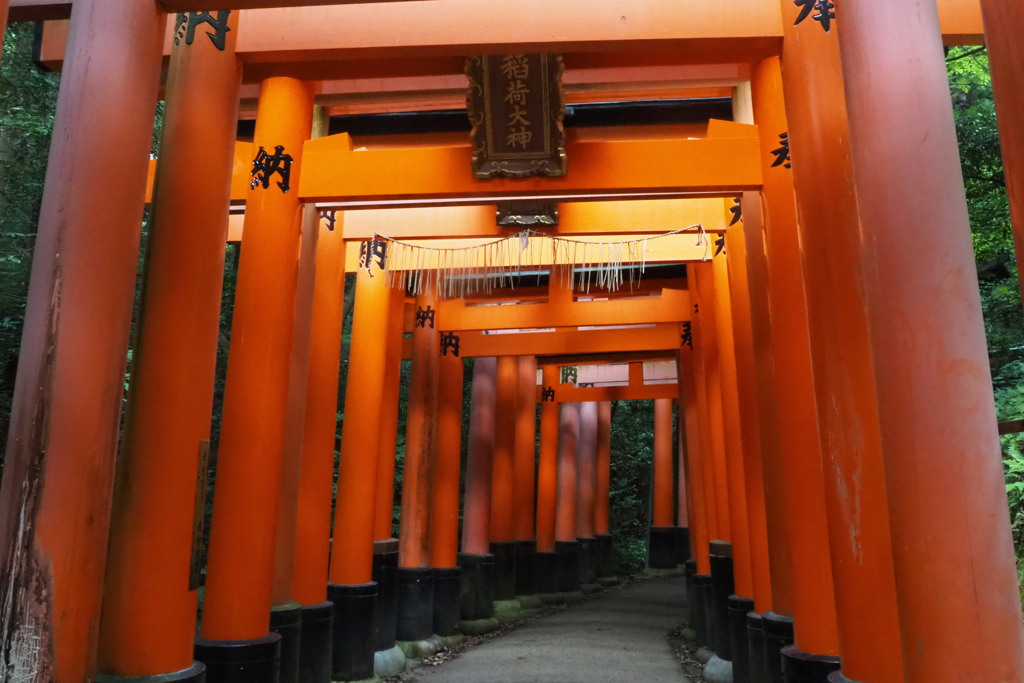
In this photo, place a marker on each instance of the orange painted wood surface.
(476, 514)
(444, 501)
(525, 448)
(503, 466)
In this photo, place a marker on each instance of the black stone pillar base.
(256, 660)
(588, 560)
(803, 667)
(838, 677)
(286, 621)
(755, 647)
(545, 568)
(526, 574)
(568, 566)
(721, 589)
(385, 618)
(504, 570)
(415, 603)
(447, 600)
(194, 674)
(682, 545)
(706, 606)
(352, 630)
(737, 609)
(661, 541)
(778, 633)
(604, 556)
(315, 643)
(477, 595)
(695, 586)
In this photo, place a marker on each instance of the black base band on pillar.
(568, 559)
(526, 575)
(721, 589)
(661, 541)
(504, 570)
(286, 621)
(604, 556)
(802, 667)
(588, 559)
(240, 661)
(477, 586)
(385, 619)
(696, 586)
(838, 677)
(315, 644)
(352, 630)
(707, 595)
(447, 600)
(682, 545)
(755, 647)
(415, 603)
(778, 633)
(545, 567)
(738, 608)
(194, 674)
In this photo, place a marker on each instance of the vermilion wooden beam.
(567, 393)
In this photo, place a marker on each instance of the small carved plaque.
(516, 105)
(527, 214)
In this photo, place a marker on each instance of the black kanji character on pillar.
(370, 251)
(736, 210)
(185, 27)
(824, 15)
(782, 153)
(331, 216)
(687, 336)
(449, 340)
(719, 244)
(547, 394)
(424, 316)
(264, 166)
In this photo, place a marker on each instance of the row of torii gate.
(841, 465)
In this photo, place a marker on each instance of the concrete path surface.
(620, 635)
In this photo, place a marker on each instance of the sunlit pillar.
(661, 535)
(525, 474)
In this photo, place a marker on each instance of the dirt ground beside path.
(620, 635)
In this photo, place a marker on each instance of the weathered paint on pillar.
(444, 511)
(352, 549)
(586, 470)
(525, 448)
(241, 561)
(1004, 23)
(696, 457)
(503, 468)
(149, 612)
(568, 435)
(384, 513)
(955, 570)
(547, 465)
(662, 500)
(420, 438)
(316, 473)
(604, 466)
(476, 516)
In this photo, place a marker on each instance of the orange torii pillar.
(1004, 22)
(415, 577)
(525, 475)
(865, 615)
(476, 561)
(955, 569)
(683, 503)
(444, 511)
(351, 587)
(316, 470)
(567, 548)
(239, 577)
(502, 541)
(602, 493)
(546, 562)
(586, 483)
(149, 603)
(60, 457)
(389, 659)
(662, 534)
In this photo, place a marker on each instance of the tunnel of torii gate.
(760, 220)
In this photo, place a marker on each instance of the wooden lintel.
(567, 393)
